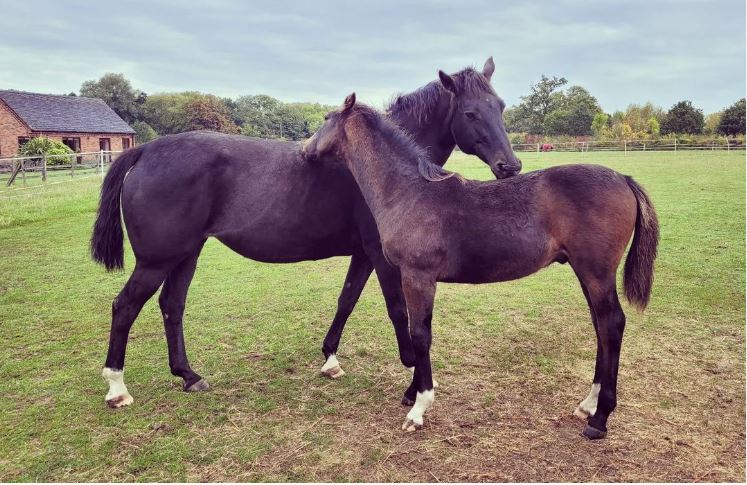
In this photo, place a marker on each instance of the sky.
(621, 51)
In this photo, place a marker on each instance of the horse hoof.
(411, 426)
(333, 372)
(594, 434)
(406, 401)
(120, 401)
(198, 386)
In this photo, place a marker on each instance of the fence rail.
(63, 167)
(668, 144)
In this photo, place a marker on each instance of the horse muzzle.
(503, 170)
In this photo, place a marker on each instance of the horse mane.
(403, 142)
(421, 102)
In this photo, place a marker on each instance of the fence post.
(23, 171)
(538, 147)
(101, 162)
(72, 167)
(675, 144)
(625, 147)
(44, 167)
(727, 144)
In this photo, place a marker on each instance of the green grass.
(513, 358)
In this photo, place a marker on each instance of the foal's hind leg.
(358, 273)
(172, 300)
(610, 327)
(142, 284)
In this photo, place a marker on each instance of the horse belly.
(287, 244)
(504, 262)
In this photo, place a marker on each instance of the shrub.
(56, 151)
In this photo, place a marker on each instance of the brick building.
(83, 124)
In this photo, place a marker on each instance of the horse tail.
(639, 265)
(107, 241)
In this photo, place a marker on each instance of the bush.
(54, 150)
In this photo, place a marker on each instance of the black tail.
(107, 241)
(638, 277)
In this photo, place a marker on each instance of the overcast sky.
(621, 51)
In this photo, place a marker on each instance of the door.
(105, 144)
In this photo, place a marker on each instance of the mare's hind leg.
(358, 272)
(610, 327)
(172, 300)
(588, 406)
(142, 284)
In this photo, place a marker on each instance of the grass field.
(513, 359)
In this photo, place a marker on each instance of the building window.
(22, 140)
(125, 143)
(72, 142)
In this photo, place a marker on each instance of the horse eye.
(470, 115)
(326, 117)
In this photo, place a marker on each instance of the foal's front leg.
(420, 290)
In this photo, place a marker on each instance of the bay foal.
(464, 231)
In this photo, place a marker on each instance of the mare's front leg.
(358, 272)
(420, 290)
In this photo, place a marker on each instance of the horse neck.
(384, 175)
(432, 132)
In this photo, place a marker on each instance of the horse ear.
(349, 103)
(488, 68)
(447, 81)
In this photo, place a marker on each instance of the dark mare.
(262, 200)
(464, 231)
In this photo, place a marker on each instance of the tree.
(118, 93)
(711, 123)
(599, 124)
(257, 115)
(683, 117)
(556, 122)
(207, 112)
(144, 132)
(165, 112)
(638, 116)
(542, 99)
(733, 120)
(514, 120)
(653, 126)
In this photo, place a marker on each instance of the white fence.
(667, 144)
(46, 169)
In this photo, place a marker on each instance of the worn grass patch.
(513, 359)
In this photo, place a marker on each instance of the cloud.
(623, 52)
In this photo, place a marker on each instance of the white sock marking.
(423, 402)
(589, 405)
(331, 367)
(117, 390)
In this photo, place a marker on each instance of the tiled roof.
(50, 112)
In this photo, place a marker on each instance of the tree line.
(549, 110)
(167, 113)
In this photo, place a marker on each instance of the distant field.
(513, 359)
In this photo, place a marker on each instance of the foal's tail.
(107, 240)
(639, 265)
